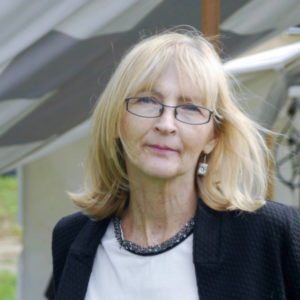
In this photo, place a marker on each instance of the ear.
(209, 147)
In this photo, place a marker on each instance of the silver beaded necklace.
(152, 250)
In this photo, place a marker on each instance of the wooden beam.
(210, 20)
(270, 168)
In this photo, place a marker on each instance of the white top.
(118, 274)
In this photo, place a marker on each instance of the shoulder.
(277, 214)
(64, 233)
(285, 224)
(273, 208)
(71, 223)
(67, 228)
(274, 220)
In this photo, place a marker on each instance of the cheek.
(126, 125)
(199, 138)
(132, 130)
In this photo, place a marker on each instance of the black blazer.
(237, 255)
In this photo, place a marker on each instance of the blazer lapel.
(79, 262)
(207, 246)
(207, 233)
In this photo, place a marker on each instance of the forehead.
(172, 82)
(196, 77)
(175, 83)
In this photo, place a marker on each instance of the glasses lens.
(144, 106)
(193, 114)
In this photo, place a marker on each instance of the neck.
(158, 209)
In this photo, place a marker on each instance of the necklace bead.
(152, 250)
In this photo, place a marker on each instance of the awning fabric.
(56, 56)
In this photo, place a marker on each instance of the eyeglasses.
(147, 107)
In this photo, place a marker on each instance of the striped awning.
(57, 56)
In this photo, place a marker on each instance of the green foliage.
(8, 196)
(7, 285)
(8, 207)
(8, 226)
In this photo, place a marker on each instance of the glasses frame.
(211, 112)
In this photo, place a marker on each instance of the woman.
(174, 198)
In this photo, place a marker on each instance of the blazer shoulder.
(66, 230)
(64, 233)
(280, 221)
(278, 214)
(286, 221)
(73, 222)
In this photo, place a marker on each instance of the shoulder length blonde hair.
(236, 177)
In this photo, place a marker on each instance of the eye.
(191, 107)
(146, 100)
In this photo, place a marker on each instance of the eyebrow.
(182, 99)
(154, 92)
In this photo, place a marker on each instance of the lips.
(161, 148)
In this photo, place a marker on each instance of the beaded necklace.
(156, 249)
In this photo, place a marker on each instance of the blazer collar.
(207, 235)
(79, 262)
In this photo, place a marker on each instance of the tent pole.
(210, 20)
(270, 167)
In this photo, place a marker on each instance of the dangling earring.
(202, 168)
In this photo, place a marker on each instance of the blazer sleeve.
(291, 259)
(64, 233)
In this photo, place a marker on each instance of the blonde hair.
(236, 177)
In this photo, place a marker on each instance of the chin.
(162, 172)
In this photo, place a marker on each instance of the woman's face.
(163, 147)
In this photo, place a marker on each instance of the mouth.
(161, 148)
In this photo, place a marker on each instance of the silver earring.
(202, 168)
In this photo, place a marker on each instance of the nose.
(166, 123)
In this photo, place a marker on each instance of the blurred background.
(55, 59)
